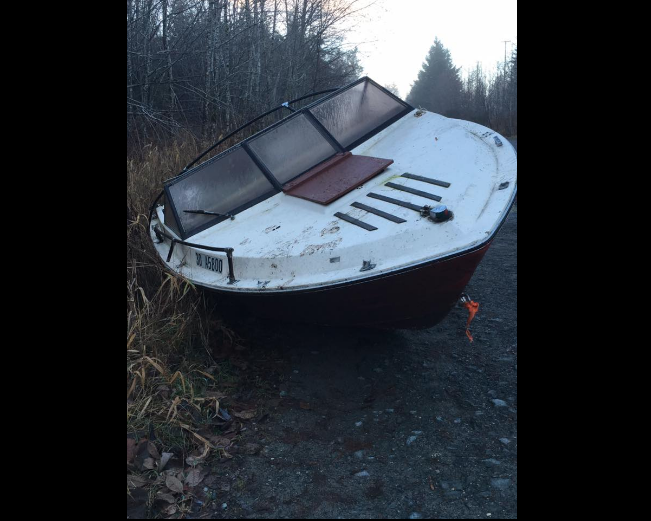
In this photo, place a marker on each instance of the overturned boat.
(356, 210)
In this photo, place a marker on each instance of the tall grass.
(170, 331)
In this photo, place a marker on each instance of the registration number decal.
(210, 263)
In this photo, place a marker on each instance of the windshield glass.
(292, 149)
(224, 185)
(355, 113)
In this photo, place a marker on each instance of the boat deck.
(289, 244)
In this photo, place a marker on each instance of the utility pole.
(506, 85)
(506, 53)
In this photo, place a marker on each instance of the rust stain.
(331, 231)
(282, 251)
(318, 248)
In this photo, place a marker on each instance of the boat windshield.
(261, 166)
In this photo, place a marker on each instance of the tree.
(393, 89)
(503, 98)
(514, 93)
(208, 66)
(439, 86)
(475, 97)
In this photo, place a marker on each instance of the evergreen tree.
(439, 87)
(475, 97)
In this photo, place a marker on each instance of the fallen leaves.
(220, 442)
(174, 489)
(194, 461)
(153, 451)
(165, 459)
(132, 451)
(195, 477)
(145, 456)
(174, 484)
(246, 415)
(166, 498)
(171, 511)
(134, 482)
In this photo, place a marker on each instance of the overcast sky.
(395, 36)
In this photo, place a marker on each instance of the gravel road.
(364, 424)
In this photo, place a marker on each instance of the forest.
(490, 99)
(208, 66)
(200, 68)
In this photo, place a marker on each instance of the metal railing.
(162, 235)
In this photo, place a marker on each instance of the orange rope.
(473, 309)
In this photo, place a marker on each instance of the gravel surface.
(402, 425)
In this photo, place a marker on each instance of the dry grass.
(172, 381)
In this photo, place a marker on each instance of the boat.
(356, 210)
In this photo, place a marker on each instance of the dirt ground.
(403, 425)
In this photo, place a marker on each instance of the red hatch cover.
(337, 177)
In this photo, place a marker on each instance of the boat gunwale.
(364, 279)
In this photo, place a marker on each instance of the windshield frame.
(277, 185)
